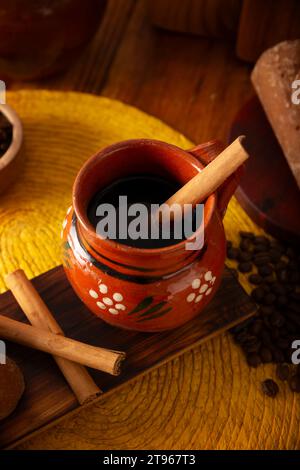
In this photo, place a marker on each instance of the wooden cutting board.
(48, 397)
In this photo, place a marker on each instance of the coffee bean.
(270, 388)
(253, 359)
(256, 327)
(276, 245)
(241, 337)
(265, 270)
(266, 338)
(283, 343)
(276, 319)
(261, 239)
(259, 248)
(266, 310)
(269, 279)
(234, 272)
(283, 371)
(290, 326)
(275, 333)
(280, 265)
(282, 300)
(266, 320)
(245, 245)
(255, 279)
(294, 277)
(258, 294)
(265, 354)
(278, 356)
(290, 253)
(252, 346)
(295, 295)
(244, 256)
(294, 383)
(293, 265)
(274, 255)
(266, 288)
(245, 267)
(282, 275)
(260, 260)
(294, 317)
(269, 299)
(232, 253)
(278, 289)
(249, 235)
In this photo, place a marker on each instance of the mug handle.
(205, 153)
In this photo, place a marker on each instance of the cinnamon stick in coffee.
(102, 359)
(37, 312)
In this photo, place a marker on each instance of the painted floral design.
(147, 309)
(113, 304)
(201, 287)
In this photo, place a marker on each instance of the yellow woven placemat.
(62, 130)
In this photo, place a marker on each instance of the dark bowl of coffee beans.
(11, 139)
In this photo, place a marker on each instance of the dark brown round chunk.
(255, 279)
(265, 270)
(261, 240)
(244, 256)
(259, 248)
(269, 299)
(232, 253)
(11, 387)
(258, 294)
(253, 359)
(249, 235)
(246, 245)
(245, 267)
(283, 371)
(265, 355)
(261, 259)
(294, 383)
(270, 388)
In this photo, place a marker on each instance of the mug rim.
(114, 245)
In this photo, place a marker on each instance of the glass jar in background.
(41, 37)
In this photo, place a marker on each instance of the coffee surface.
(139, 189)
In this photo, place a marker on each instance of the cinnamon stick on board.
(37, 312)
(98, 358)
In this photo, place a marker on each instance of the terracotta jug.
(144, 289)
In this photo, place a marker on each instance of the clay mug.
(144, 289)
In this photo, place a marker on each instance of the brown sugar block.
(11, 387)
(274, 73)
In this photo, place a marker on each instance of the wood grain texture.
(46, 387)
(264, 24)
(207, 398)
(212, 18)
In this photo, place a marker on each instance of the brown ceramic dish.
(11, 160)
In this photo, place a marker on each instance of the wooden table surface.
(207, 398)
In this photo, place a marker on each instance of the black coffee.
(143, 189)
